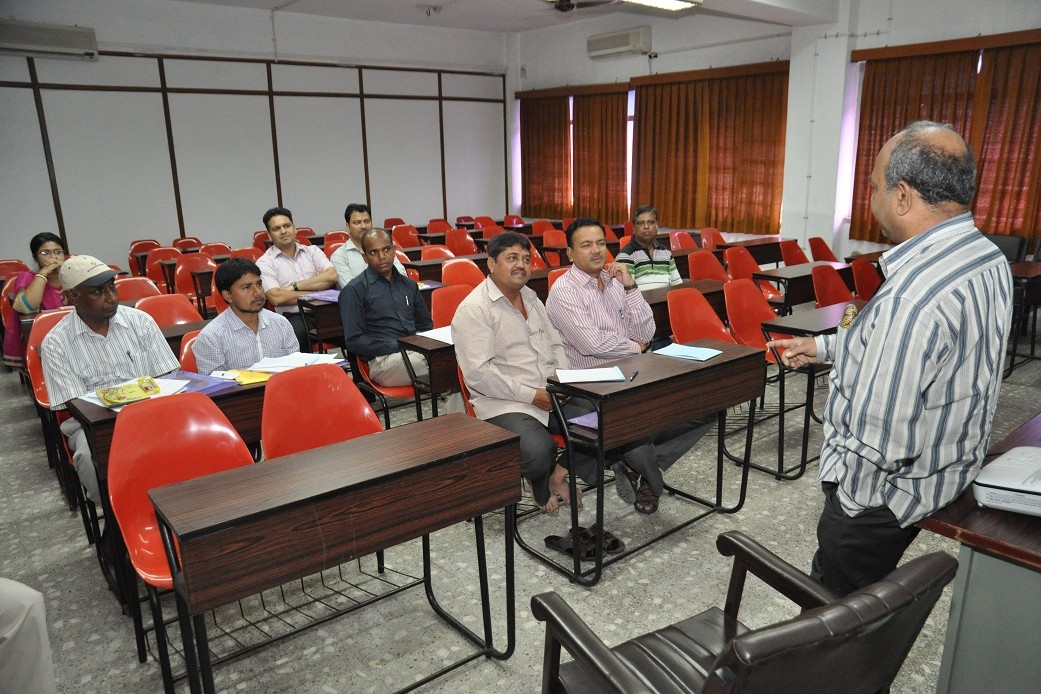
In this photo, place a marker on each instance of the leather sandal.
(646, 501)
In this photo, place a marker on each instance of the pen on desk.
(633, 377)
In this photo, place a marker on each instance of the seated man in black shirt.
(379, 306)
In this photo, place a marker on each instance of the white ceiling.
(511, 16)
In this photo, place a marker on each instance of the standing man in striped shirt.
(917, 373)
(650, 263)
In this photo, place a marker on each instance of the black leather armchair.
(851, 644)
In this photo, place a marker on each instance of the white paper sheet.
(440, 334)
(292, 361)
(589, 375)
(685, 352)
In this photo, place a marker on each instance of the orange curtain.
(1009, 177)
(599, 157)
(545, 157)
(710, 152)
(895, 93)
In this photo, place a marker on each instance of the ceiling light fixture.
(671, 5)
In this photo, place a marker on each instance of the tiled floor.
(387, 646)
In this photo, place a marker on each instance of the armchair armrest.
(749, 555)
(565, 628)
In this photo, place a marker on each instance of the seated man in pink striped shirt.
(602, 317)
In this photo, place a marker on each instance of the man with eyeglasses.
(650, 263)
(97, 345)
(379, 306)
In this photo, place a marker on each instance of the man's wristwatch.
(627, 287)
(295, 288)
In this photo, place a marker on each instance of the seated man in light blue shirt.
(348, 259)
(246, 332)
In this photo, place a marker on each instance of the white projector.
(1011, 482)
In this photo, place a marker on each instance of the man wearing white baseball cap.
(99, 344)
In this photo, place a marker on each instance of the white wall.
(110, 148)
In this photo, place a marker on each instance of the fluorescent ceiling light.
(671, 5)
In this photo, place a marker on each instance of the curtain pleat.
(599, 157)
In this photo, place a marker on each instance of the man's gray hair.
(938, 174)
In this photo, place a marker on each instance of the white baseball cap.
(85, 271)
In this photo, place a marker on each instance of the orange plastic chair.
(445, 300)
(7, 312)
(628, 228)
(187, 358)
(406, 235)
(134, 288)
(691, 317)
(249, 253)
(537, 261)
(554, 275)
(336, 237)
(460, 242)
(828, 286)
(554, 237)
(139, 246)
(626, 240)
(465, 219)
(260, 240)
(710, 238)
(169, 309)
(820, 251)
(678, 240)
(540, 226)
(384, 392)
(438, 226)
(218, 300)
(186, 243)
(435, 251)
(566, 222)
(484, 222)
(866, 278)
(742, 265)
(206, 443)
(187, 284)
(340, 412)
(215, 248)
(391, 222)
(746, 311)
(461, 271)
(154, 271)
(330, 248)
(609, 234)
(704, 265)
(491, 231)
(791, 253)
(512, 220)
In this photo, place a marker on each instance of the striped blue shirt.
(916, 376)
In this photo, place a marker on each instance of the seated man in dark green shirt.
(379, 306)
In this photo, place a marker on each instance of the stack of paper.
(684, 352)
(292, 361)
(440, 334)
(589, 375)
(324, 295)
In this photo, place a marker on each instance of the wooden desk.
(430, 270)
(246, 530)
(819, 321)
(440, 358)
(765, 249)
(413, 253)
(431, 238)
(991, 642)
(666, 392)
(797, 281)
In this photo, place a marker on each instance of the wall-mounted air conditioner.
(627, 42)
(47, 41)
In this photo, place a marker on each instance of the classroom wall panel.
(13, 68)
(112, 164)
(215, 74)
(400, 82)
(311, 78)
(404, 143)
(474, 175)
(472, 86)
(25, 196)
(109, 70)
(224, 164)
(321, 160)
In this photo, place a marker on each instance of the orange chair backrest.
(554, 275)
(679, 240)
(260, 240)
(435, 251)
(704, 265)
(537, 261)
(625, 241)
(216, 297)
(740, 263)
(692, 317)
(484, 221)
(249, 253)
(828, 286)
(792, 254)
(438, 226)
(628, 228)
(512, 220)
(461, 271)
(464, 219)
(460, 242)
(820, 250)
(153, 270)
(406, 235)
(491, 231)
(140, 246)
(566, 222)
(445, 300)
(391, 222)
(540, 226)
(215, 248)
(134, 288)
(336, 237)
(169, 309)
(866, 278)
(186, 243)
(187, 355)
(609, 234)
(330, 248)
(747, 308)
(186, 265)
(465, 392)
(338, 410)
(710, 237)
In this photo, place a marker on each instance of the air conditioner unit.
(47, 41)
(627, 42)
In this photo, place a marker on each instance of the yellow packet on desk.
(246, 377)
(127, 393)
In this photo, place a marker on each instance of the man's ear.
(904, 197)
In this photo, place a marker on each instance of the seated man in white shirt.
(246, 332)
(291, 270)
(349, 259)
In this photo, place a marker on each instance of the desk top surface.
(1026, 269)
(1015, 537)
(761, 241)
(816, 322)
(659, 294)
(441, 261)
(207, 504)
(794, 271)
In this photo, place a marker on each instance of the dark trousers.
(299, 329)
(853, 552)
